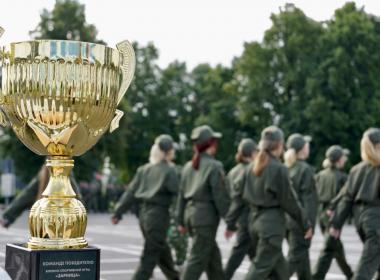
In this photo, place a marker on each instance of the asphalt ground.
(121, 246)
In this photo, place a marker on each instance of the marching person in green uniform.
(203, 200)
(30, 194)
(154, 186)
(362, 198)
(177, 241)
(329, 183)
(303, 184)
(265, 186)
(247, 152)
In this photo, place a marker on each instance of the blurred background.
(236, 65)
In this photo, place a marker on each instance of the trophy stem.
(58, 220)
(59, 184)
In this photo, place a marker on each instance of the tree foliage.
(344, 87)
(319, 78)
(67, 21)
(313, 77)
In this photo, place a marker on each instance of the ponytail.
(156, 154)
(369, 152)
(327, 163)
(272, 138)
(261, 162)
(290, 157)
(262, 159)
(198, 149)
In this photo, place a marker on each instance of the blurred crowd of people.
(99, 199)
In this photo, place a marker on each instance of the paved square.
(121, 246)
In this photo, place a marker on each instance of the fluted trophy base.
(51, 244)
(58, 220)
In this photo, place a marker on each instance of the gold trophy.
(60, 97)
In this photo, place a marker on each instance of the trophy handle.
(1, 49)
(4, 122)
(3, 119)
(115, 121)
(127, 67)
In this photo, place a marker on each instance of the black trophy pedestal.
(22, 263)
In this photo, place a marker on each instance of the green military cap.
(297, 141)
(165, 142)
(373, 135)
(246, 147)
(272, 133)
(334, 153)
(204, 133)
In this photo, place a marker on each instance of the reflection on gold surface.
(60, 97)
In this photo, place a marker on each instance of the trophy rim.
(59, 40)
(93, 53)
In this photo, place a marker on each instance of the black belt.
(368, 204)
(325, 204)
(153, 203)
(260, 208)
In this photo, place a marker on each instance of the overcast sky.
(194, 31)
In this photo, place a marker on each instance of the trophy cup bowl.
(60, 97)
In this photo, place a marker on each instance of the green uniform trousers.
(370, 259)
(298, 255)
(332, 248)
(267, 230)
(204, 254)
(244, 246)
(269, 260)
(154, 222)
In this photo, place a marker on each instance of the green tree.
(311, 77)
(157, 103)
(175, 87)
(271, 76)
(305, 76)
(215, 105)
(67, 21)
(253, 88)
(293, 46)
(173, 100)
(344, 88)
(135, 105)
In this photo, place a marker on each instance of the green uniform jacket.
(153, 183)
(361, 196)
(236, 193)
(329, 183)
(303, 183)
(233, 175)
(270, 190)
(28, 197)
(203, 193)
(235, 190)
